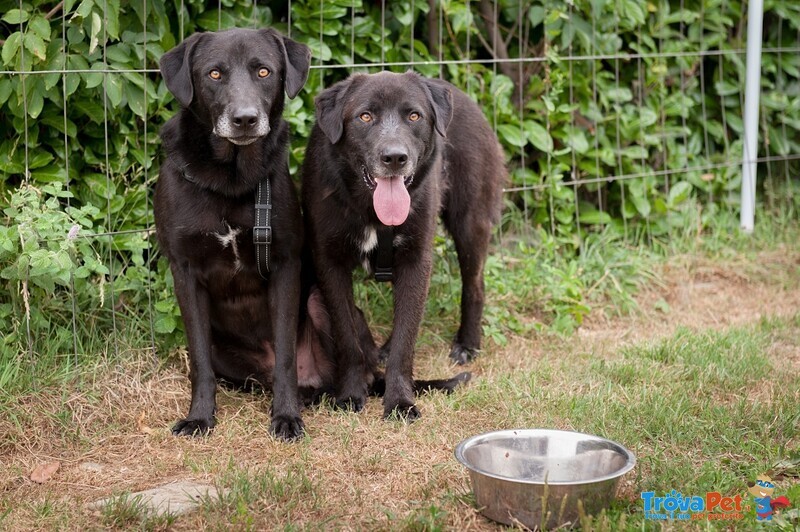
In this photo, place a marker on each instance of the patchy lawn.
(702, 383)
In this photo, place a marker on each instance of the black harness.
(384, 255)
(262, 229)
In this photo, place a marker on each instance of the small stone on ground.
(175, 498)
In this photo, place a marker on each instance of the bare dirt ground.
(701, 294)
(110, 431)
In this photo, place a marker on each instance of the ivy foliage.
(651, 91)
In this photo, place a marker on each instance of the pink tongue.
(391, 200)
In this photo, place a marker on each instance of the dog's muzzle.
(242, 126)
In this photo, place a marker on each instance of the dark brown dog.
(227, 137)
(396, 150)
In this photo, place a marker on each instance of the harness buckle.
(383, 275)
(262, 234)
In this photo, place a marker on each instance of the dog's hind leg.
(354, 367)
(471, 234)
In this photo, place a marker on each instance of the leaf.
(43, 472)
(72, 82)
(576, 139)
(11, 47)
(641, 204)
(114, 90)
(35, 102)
(633, 11)
(679, 192)
(15, 16)
(461, 17)
(594, 217)
(165, 324)
(50, 174)
(164, 305)
(40, 26)
(39, 159)
(84, 9)
(536, 15)
(538, 136)
(512, 135)
(5, 89)
(212, 20)
(619, 94)
(35, 45)
(97, 25)
(112, 18)
(136, 101)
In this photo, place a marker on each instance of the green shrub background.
(81, 103)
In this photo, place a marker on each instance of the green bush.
(81, 102)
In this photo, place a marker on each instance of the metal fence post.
(752, 97)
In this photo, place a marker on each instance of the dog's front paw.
(193, 427)
(287, 428)
(403, 411)
(462, 355)
(351, 403)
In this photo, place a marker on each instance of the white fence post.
(752, 97)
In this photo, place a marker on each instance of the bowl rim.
(462, 446)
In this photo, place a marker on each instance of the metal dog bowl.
(541, 478)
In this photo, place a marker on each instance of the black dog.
(227, 138)
(393, 151)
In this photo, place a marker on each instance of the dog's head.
(387, 124)
(234, 80)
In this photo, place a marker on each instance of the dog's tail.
(424, 386)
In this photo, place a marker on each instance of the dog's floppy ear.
(176, 68)
(298, 59)
(330, 110)
(442, 102)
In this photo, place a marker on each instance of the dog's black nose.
(245, 117)
(394, 158)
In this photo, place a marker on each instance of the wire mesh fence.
(615, 115)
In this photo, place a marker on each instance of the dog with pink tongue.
(390, 153)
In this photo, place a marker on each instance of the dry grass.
(352, 471)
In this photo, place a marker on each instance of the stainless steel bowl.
(543, 478)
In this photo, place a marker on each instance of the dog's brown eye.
(365, 117)
(263, 72)
(215, 74)
(414, 117)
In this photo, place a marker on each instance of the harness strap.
(262, 230)
(384, 256)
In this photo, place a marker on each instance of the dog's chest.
(230, 242)
(225, 246)
(366, 246)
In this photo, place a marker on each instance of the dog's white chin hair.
(242, 141)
